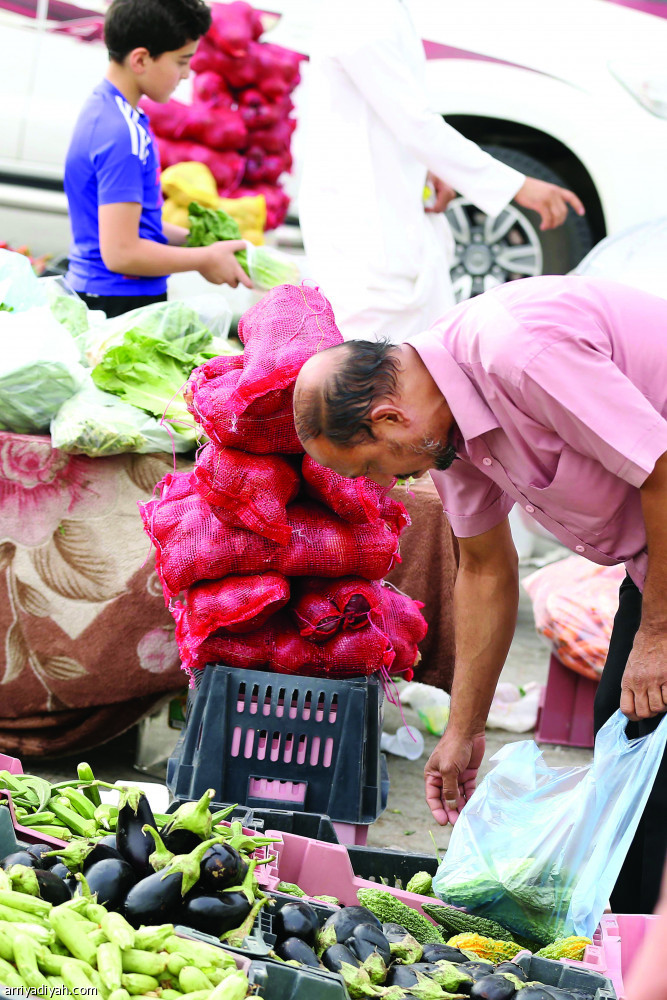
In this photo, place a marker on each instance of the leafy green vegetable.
(4, 308)
(71, 312)
(210, 225)
(149, 374)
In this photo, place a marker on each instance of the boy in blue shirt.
(122, 251)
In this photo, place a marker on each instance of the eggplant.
(111, 879)
(222, 866)
(189, 825)
(367, 939)
(38, 851)
(296, 919)
(513, 969)
(443, 953)
(294, 949)
(404, 947)
(101, 852)
(215, 914)
(402, 975)
(132, 842)
(61, 870)
(493, 987)
(340, 925)
(157, 898)
(478, 969)
(21, 858)
(51, 887)
(334, 957)
(109, 840)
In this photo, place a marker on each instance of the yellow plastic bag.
(175, 213)
(190, 181)
(250, 213)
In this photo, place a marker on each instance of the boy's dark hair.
(368, 371)
(157, 25)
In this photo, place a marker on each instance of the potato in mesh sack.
(192, 544)
(247, 491)
(359, 500)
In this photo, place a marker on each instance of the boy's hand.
(221, 267)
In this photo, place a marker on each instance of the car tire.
(490, 252)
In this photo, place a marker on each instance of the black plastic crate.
(277, 981)
(567, 977)
(271, 741)
(392, 868)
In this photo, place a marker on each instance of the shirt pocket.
(583, 496)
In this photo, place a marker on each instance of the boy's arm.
(125, 252)
(176, 235)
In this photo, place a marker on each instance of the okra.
(76, 980)
(82, 805)
(68, 929)
(57, 832)
(153, 938)
(41, 818)
(191, 979)
(76, 823)
(25, 903)
(106, 816)
(90, 790)
(136, 982)
(9, 976)
(109, 965)
(147, 962)
(25, 959)
(11, 782)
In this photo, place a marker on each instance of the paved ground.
(407, 824)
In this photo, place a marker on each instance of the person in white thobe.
(370, 142)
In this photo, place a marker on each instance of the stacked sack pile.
(239, 123)
(267, 559)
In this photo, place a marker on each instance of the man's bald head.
(336, 390)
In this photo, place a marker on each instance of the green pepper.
(135, 982)
(147, 962)
(68, 928)
(76, 979)
(109, 965)
(25, 959)
(120, 994)
(153, 938)
(9, 976)
(20, 901)
(114, 925)
(191, 979)
(234, 987)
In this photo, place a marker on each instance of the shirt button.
(487, 461)
(580, 548)
(530, 508)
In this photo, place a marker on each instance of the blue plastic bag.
(538, 848)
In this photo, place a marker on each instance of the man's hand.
(221, 267)
(451, 775)
(549, 200)
(443, 194)
(644, 684)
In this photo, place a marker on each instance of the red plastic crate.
(566, 708)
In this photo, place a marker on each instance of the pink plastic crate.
(11, 764)
(566, 708)
(325, 869)
(621, 936)
(24, 833)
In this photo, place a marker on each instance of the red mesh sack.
(209, 88)
(359, 501)
(276, 139)
(322, 608)
(278, 646)
(262, 167)
(401, 620)
(236, 604)
(276, 69)
(259, 111)
(193, 545)
(234, 27)
(223, 129)
(266, 427)
(168, 121)
(286, 327)
(249, 491)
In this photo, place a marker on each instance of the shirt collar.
(109, 87)
(471, 414)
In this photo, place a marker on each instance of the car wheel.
(491, 251)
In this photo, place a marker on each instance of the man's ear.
(389, 412)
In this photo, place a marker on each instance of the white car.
(569, 90)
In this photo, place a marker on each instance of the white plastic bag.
(97, 423)
(39, 369)
(19, 287)
(538, 849)
(515, 709)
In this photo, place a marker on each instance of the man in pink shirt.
(550, 392)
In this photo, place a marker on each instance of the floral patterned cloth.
(88, 644)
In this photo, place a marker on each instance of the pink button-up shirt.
(558, 387)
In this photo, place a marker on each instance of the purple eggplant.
(52, 888)
(340, 925)
(132, 842)
(442, 953)
(189, 825)
(215, 914)
(21, 858)
(294, 949)
(111, 879)
(296, 919)
(334, 957)
(39, 851)
(514, 969)
(59, 869)
(494, 987)
(221, 867)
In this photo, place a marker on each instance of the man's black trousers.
(638, 885)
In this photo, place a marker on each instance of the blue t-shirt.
(112, 158)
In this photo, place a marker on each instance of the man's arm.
(125, 252)
(176, 235)
(486, 598)
(644, 685)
